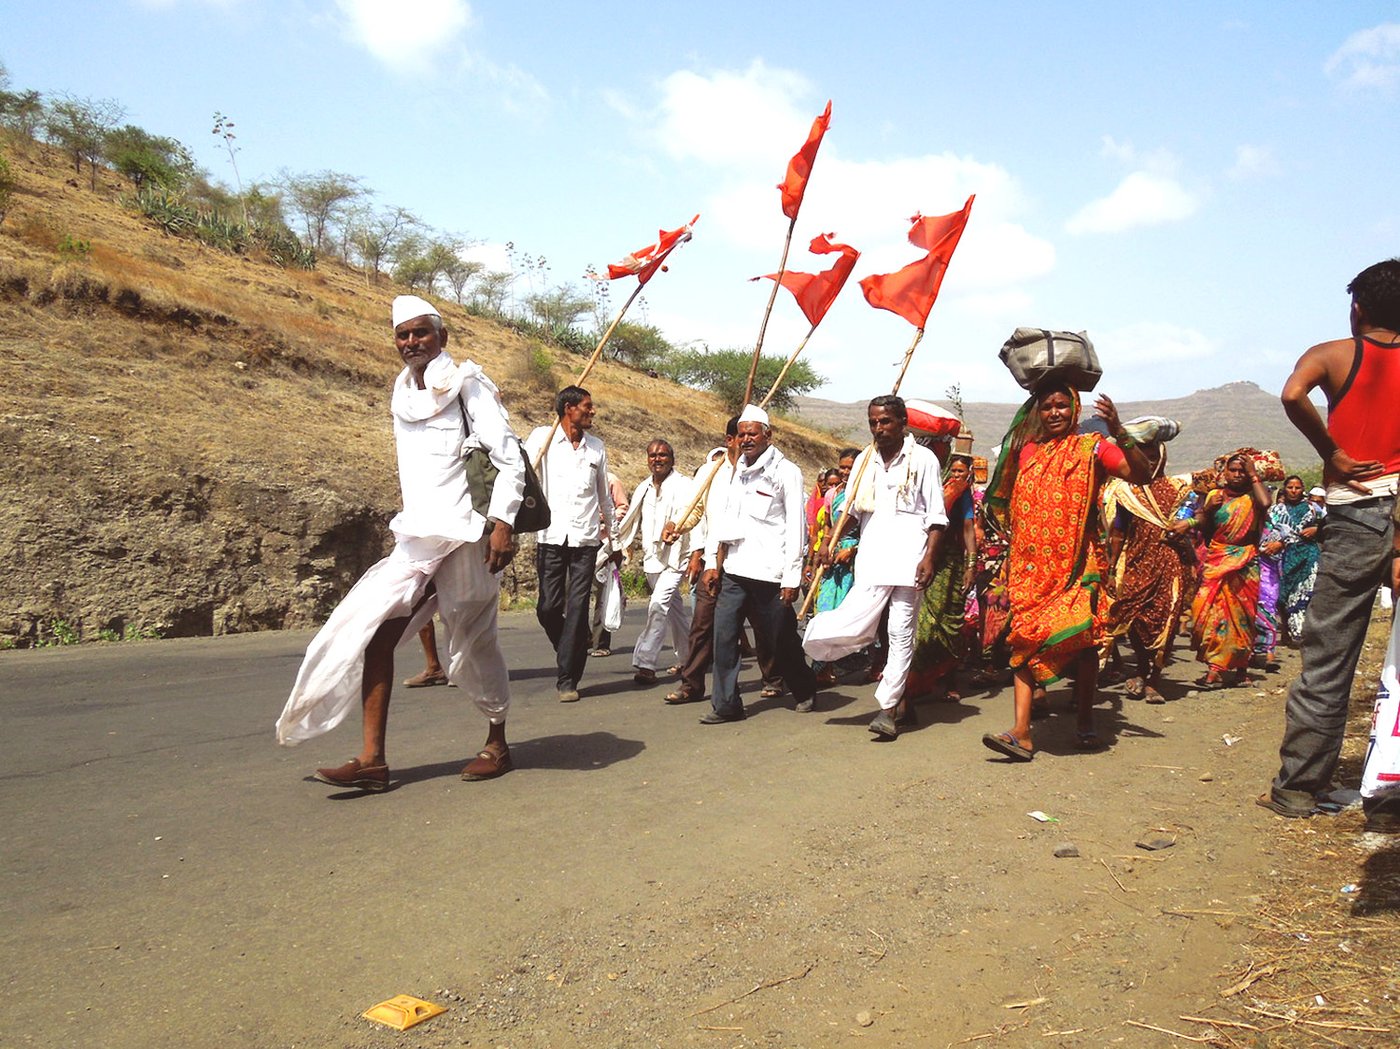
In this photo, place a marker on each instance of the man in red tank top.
(1360, 449)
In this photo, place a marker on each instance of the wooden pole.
(597, 352)
(703, 490)
(783, 374)
(772, 298)
(854, 486)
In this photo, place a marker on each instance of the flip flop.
(1007, 744)
(1153, 696)
(770, 693)
(1205, 683)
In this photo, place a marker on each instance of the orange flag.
(800, 166)
(645, 262)
(910, 292)
(815, 292)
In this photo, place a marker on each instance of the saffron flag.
(815, 292)
(800, 166)
(645, 262)
(911, 291)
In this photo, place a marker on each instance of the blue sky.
(1194, 184)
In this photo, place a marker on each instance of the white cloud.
(402, 33)
(1253, 162)
(1157, 161)
(1141, 199)
(1368, 59)
(730, 118)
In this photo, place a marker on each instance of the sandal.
(1088, 740)
(770, 693)
(426, 679)
(643, 676)
(488, 765)
(1206, 683)
(1135, 688)
(1007, 744)
(1153, 696)
(679, 696)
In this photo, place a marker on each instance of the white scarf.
(443, 380)
(732, 527)
(862, 501)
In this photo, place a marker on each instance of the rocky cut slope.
(195, 443)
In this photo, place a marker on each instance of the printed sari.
(1228, 599)
(838, 578)
(939, 637)
(1055, 559)
(1153, 568)
(1299, 562)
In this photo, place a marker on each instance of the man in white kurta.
(898, 503)
(573, 469)
(755, 552)
(662, 497)
(445, 559)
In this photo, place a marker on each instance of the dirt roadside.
(639, 880)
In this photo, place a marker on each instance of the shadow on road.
(590, 750)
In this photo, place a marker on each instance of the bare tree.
(374, 236)
(80, 126)
(321, 200)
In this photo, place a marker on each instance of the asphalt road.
(175, 879)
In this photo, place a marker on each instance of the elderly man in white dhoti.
(446, 558)
(898, 503)
(662, 497)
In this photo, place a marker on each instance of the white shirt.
(430, 438)
(908, 495)
(647, 515)
(575, 482)
(763, 523)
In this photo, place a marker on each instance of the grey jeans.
(1353, 563)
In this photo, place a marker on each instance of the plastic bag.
(1381, 773)
(614, 601)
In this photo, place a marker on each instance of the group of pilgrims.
(928, 570)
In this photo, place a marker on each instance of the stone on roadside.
(1152, 841)
(1066, 850)
(1206, 777)
(864, 1018)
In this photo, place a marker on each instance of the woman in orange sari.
(1046, 489)
(1225, 606)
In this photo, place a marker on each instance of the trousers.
(775, 626)
(854, 624)
(565, 581)
(1353, 561)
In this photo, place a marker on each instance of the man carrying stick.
(898, 499)
(755, 552)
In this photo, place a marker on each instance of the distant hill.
(1212, 421)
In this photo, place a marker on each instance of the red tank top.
(1364, 417)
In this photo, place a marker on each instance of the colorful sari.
(1055, 559)
(1299, 561)
(1268, 627)
(838, 578)
(1228, 599)
(1153, 569)
(939, 639)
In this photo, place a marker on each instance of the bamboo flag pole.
(854, 487)
(763, 327)
(783, 374)
(597, 352)
(701, 493)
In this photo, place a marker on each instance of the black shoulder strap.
(1351, 376)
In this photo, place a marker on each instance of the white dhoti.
(667, 608)
(468, 598)
(853, 624)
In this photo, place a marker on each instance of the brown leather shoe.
(488, 765)
(426, 679)
(354, 776)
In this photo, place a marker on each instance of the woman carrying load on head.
(1230, 519)
(1295, 521)
(1045, 493)
(1151, 566)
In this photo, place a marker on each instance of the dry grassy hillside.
(196, 442)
